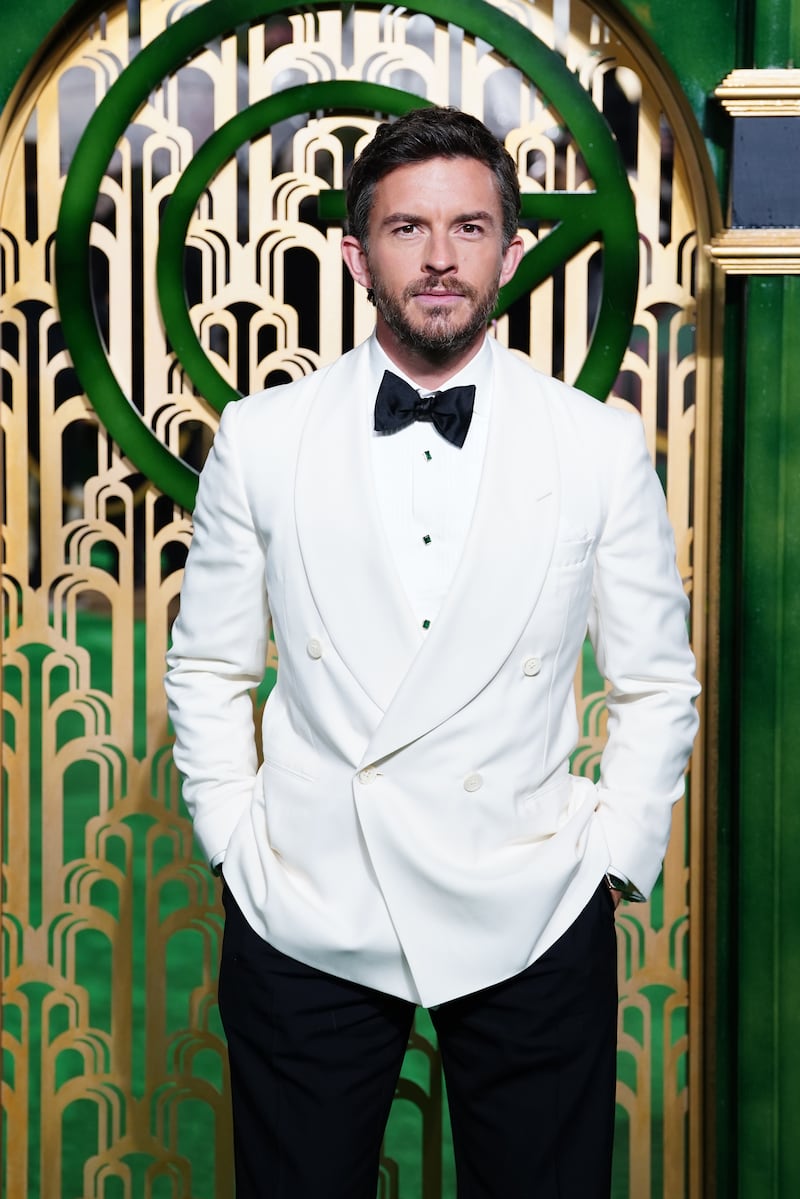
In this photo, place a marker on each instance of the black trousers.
(529, 1067)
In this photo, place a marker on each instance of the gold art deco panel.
(114, 1075)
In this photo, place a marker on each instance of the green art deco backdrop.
(170, 212)
(171, 223)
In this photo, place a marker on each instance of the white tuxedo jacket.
(414, 825)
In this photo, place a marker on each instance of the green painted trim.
(26, 27)
(768, 969)
(776, 33)
(720, 1165)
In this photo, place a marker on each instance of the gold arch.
(111, 925)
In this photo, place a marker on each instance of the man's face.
(435, 259)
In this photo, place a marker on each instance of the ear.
(355, 259)
(511, 259)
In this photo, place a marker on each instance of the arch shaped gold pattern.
(114, 1071)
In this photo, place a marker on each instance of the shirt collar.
(478, 371)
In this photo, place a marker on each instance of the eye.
(470, 227)
(406, 229)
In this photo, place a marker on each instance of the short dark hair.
(421, 134)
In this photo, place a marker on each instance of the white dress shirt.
(427, 488)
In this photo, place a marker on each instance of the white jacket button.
(531, 666)
(314, 648)
(367, 775)
(473, 782)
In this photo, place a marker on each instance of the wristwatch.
(627, 890)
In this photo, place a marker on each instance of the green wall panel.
(767, 1044)
(775, 28)
(25, 28)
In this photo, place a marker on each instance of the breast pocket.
(571, 552)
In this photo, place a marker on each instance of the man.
(430, 567)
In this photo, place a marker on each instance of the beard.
(438, 333)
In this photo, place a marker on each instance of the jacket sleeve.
(218, 651)
(638, 627)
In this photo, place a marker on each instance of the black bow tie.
(398, 405)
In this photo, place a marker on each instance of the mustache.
(453, 287)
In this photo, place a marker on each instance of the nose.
(439, 258)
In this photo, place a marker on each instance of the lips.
(439, 296)
(440, 290)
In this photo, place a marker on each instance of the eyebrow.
(410, 218)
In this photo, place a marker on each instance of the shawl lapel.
(348, 563)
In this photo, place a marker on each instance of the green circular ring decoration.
(607, 214)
